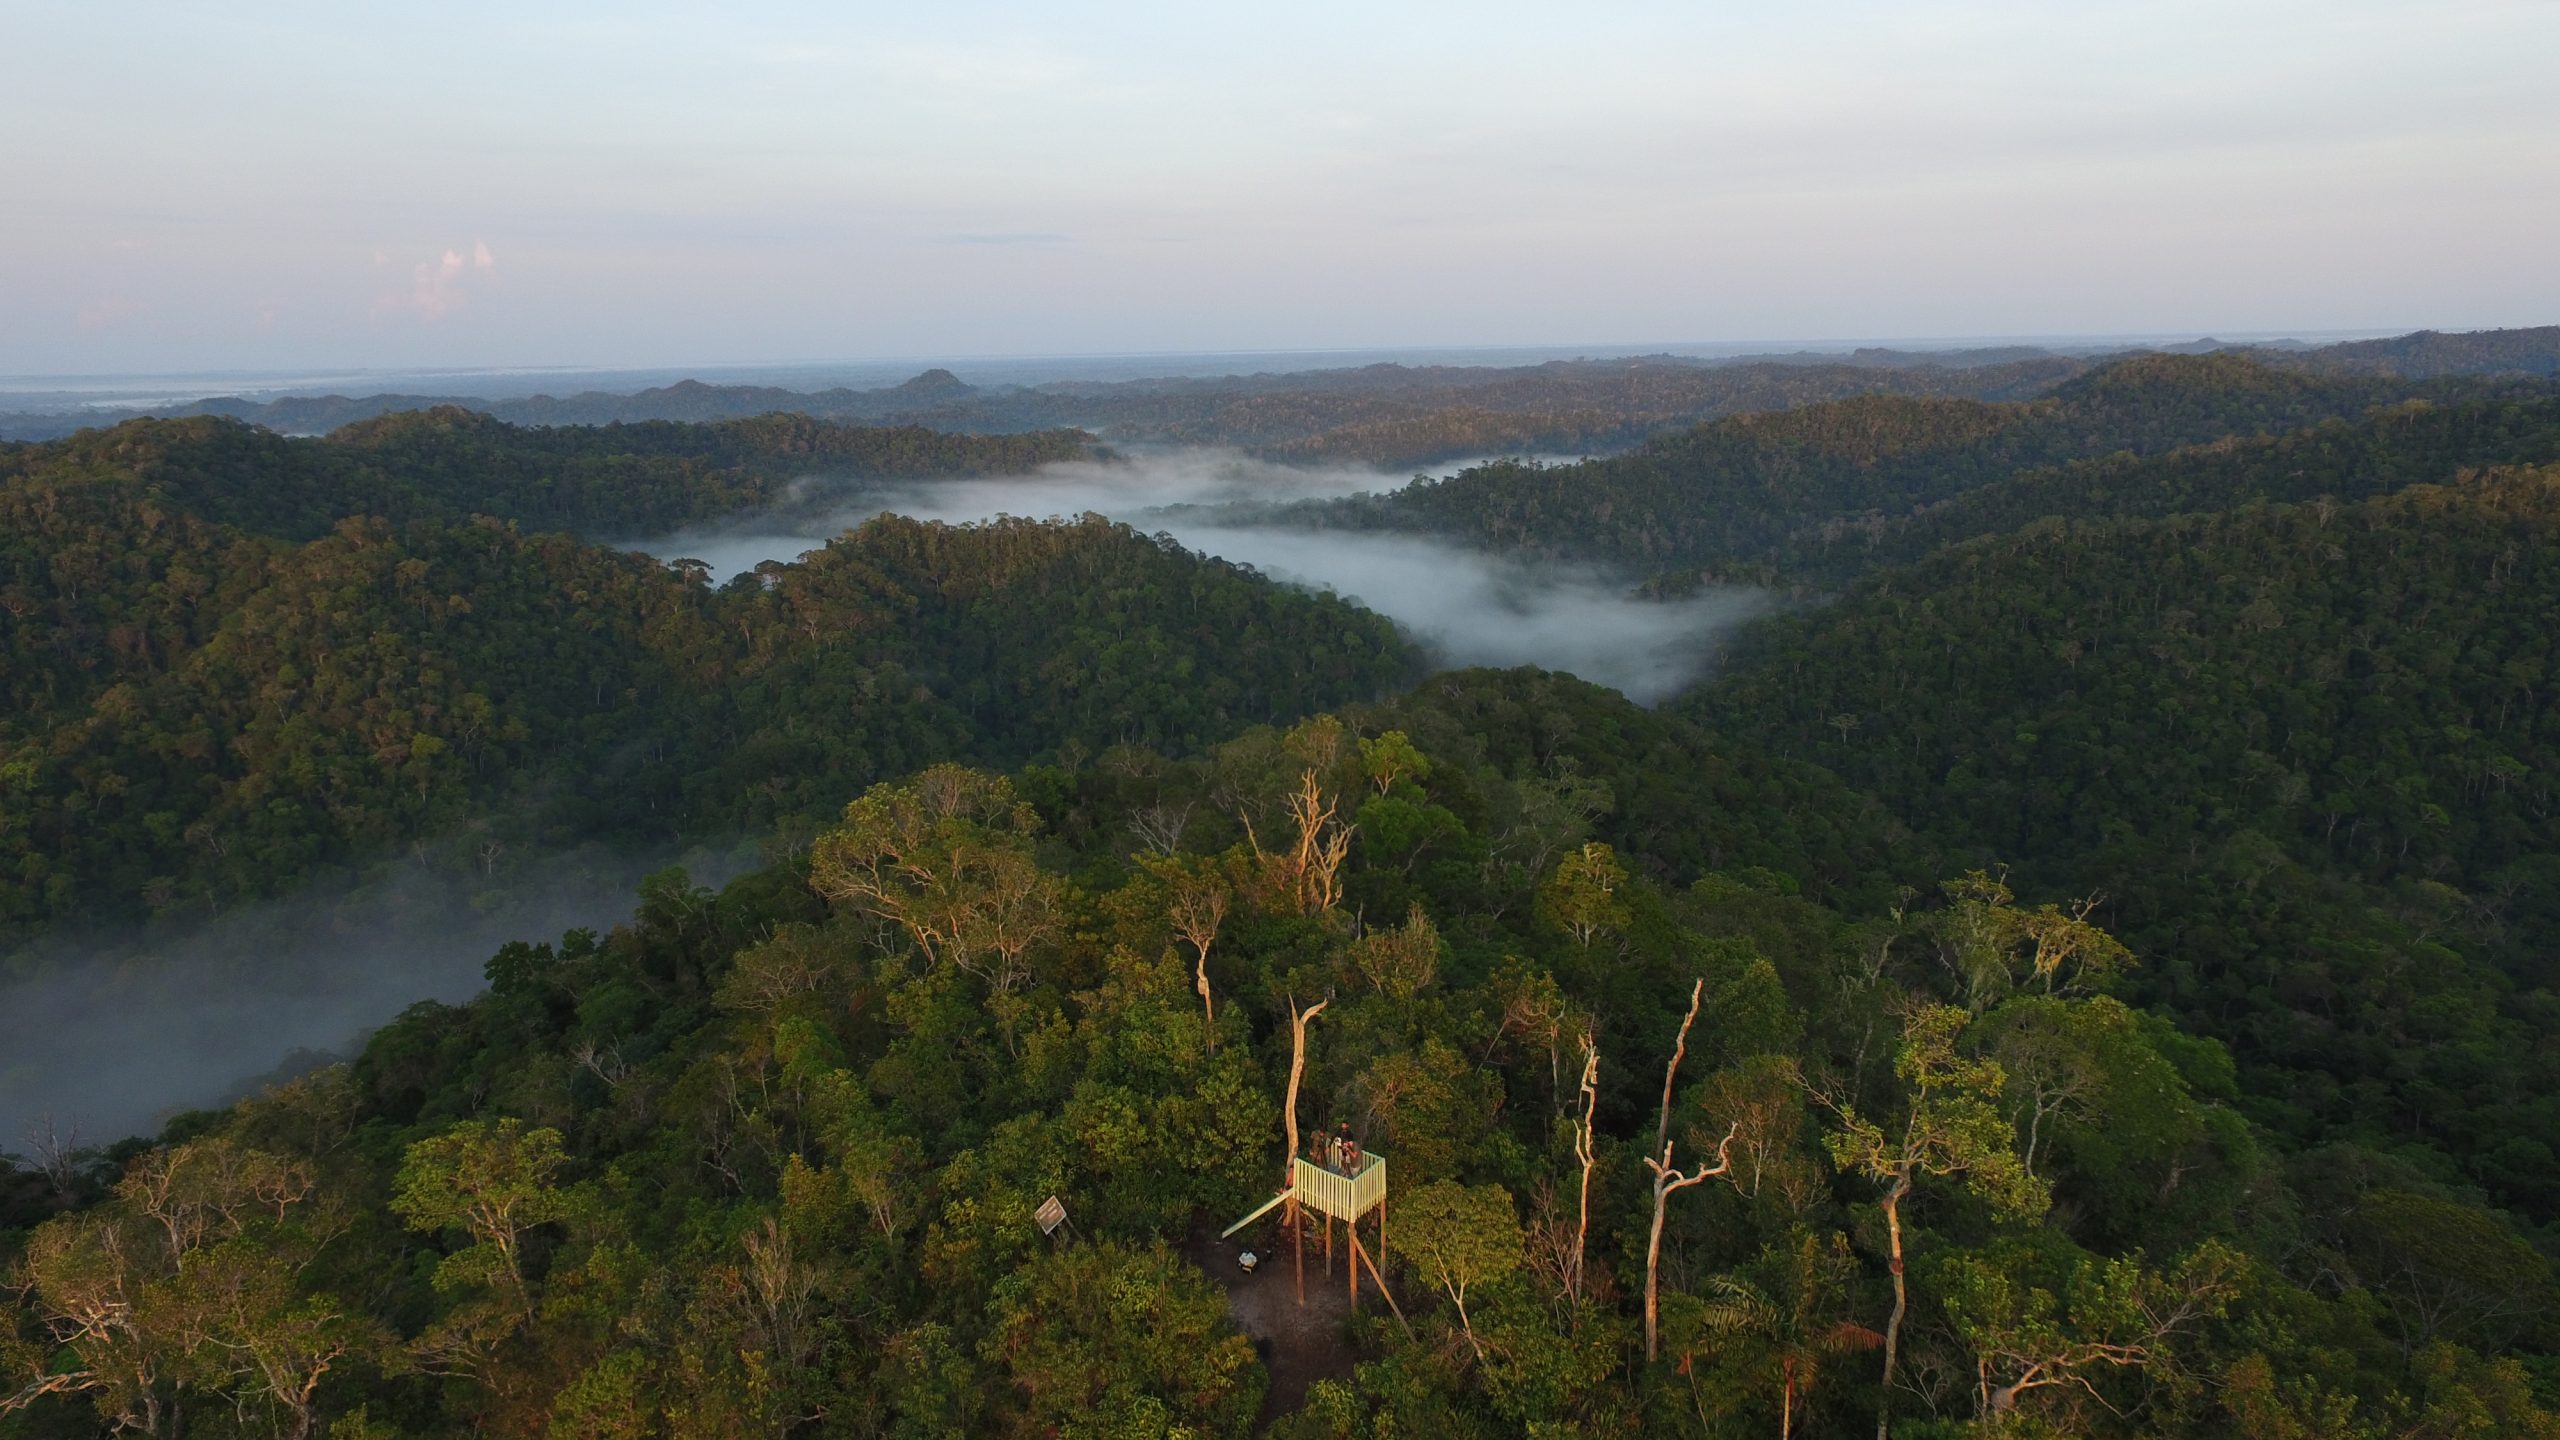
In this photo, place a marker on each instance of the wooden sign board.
(1050, 1215)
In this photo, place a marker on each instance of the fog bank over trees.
(109, 1035)
(1465, 606)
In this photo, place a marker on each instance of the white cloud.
(437, 287)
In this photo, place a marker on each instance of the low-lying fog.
(111, 1037)
(114, 1037)
(1467, 607)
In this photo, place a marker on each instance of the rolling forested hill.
(765, 1161)
(451, 464)
(1735, 493)
(2309, 752)
(203, 706)
(2091, 976)
(2426, 353)
(2418, 442)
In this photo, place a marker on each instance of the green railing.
(1345, 1197)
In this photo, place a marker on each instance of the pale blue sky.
(274, 184)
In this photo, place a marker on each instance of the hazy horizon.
(303, 187)
(516, 381)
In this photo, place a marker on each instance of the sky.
(296, 185)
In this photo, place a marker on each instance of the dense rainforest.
(2427, 354)
(2414, 442)
(201, 705)
(1743, 493)
(2086, 969)
(1707, 1158)
(449, 464)
(2308, 752)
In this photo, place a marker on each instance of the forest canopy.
(766, 1159)
(198, 705)
(2085, 968)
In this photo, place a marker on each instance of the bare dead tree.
(1583, 1152)
(56, 1150)
(1297, 1071)
(1309, 872)
(1289, 1163)
(603, 1061)
(1679, 1052)
(1323, 844)
(1198, 908)
(206, 1190)
(1667, 1179)
(1159, 827)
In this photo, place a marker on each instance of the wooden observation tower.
(1316, 1188)
(1348, 1184)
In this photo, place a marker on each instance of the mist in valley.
(109, 1035)
(1465, 607)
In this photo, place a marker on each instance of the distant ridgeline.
(450, 464)
(229, 658)
(2429, 354)
(1393, 415)
(1388, 415)
(1812, 491)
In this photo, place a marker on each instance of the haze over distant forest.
(588, 185)
(1122, 721)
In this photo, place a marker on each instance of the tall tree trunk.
(1583, 1151)
(1209, 1009)
(1297, 1070)
(1653, 1269)
(1901, 1302)
(1671, 1072)
(1666, 1179)
(1467, 1327)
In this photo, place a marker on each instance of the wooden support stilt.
(1351, 1262)
(1328, 1244)
(1298, 1248)
(1361, 1256)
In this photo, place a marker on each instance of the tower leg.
(1377, 1277)
(1351, 1257)
(1298, 1249)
